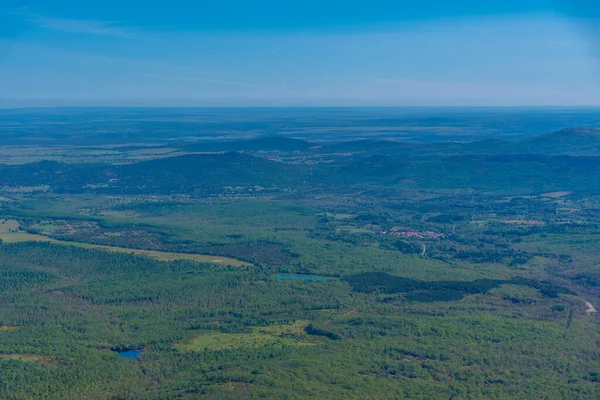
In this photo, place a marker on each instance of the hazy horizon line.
(8, 106)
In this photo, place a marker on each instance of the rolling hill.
(558, 161)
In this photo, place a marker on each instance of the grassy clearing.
(519, 222)
(351, 229)
(336, 215)
(7, 328)
(26, 357)
(285, 334)
(581, 247)
(27, 189)
(516, 291)
(8, 225)
(16, 237)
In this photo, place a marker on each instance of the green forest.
(282, 269)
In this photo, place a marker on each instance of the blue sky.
(307, 53)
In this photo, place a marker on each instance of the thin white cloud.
(460, 88)
(541, 92)
(18, 10)
(215, 81)
(89, 27)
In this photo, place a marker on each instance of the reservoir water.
(130, 354)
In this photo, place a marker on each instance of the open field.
(336, 215)
(26, 357)
(517, 222)
(17, 155)
(19, 237)
(8, 226)
(282, 335)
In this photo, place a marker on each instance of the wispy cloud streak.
(90, 27)
(215, 81)
(83, 26)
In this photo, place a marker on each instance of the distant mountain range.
(578, 141)
(573, 141)
(269, 143)
(563, 160)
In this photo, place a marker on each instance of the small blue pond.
(131, 354)
(302, 277)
